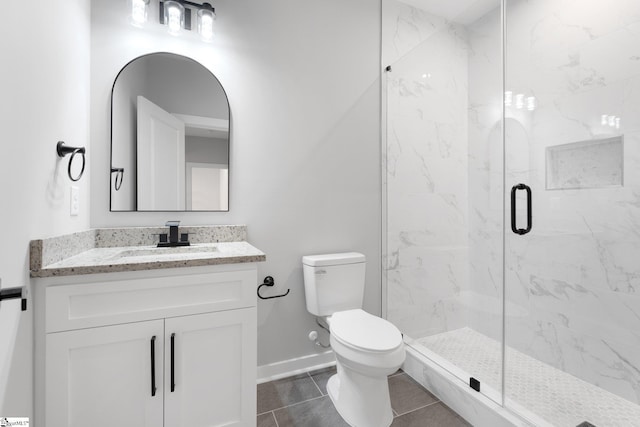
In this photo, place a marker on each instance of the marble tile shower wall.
(427, 212)
(484, 298)
(575, 280)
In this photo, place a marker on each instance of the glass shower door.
(443, 180)
(572, 200)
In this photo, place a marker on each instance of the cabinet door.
(102, 377)
(214, 369)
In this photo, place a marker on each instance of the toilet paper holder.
(268, 281)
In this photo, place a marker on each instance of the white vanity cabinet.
(101, 376)
(174, 347)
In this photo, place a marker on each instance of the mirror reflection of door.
(207, 184)
(146, 140)
(161, 152)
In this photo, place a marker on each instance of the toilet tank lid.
(333, 259)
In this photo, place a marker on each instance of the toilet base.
(360, 400)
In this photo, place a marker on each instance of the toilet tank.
(333, 282)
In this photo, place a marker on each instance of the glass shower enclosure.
(512, 199)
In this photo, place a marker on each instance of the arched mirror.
(169, 137)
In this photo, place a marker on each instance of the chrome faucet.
(174, 237)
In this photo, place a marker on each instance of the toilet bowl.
(367, 348)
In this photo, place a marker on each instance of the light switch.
(75, 201)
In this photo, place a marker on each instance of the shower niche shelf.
(595, 163)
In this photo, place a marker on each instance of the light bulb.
(206, 16)
(174, 16)
(139, 12)
(519, 101)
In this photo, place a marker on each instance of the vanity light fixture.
(177, 15)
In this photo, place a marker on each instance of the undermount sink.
(167, 251)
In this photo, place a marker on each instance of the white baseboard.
(298, 365)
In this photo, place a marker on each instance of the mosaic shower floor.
(557, 397)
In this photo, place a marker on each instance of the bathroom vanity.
(144, 336)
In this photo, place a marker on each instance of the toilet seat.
(365, 332)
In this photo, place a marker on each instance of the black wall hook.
(268, 281)
(63, 150)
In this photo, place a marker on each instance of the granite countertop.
(94, 251)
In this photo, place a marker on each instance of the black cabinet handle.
(514, 228)
(173, 378)
(153, 365)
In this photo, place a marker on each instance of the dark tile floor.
(302, 401)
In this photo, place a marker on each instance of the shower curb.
(474, 407)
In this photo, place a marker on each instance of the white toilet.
(367, 348)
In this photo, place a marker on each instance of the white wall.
(302, 81)
(45, 98)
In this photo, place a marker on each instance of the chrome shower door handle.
(514, 228)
